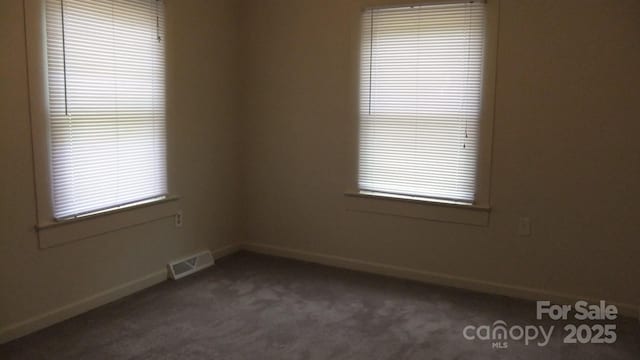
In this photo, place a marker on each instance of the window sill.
(55, 233)
(403, 206)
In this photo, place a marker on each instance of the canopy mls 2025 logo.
(499, 333)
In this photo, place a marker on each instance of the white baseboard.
(626, 309)
(49, 318)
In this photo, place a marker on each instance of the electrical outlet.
(178, 218)
(524, 226)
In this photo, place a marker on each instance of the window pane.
(106, 103)
(420, 99)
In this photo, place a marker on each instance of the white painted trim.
(36, 40)
(56, 234)
(457, 214)
(51, 232)
(41, 321)
(520, 292)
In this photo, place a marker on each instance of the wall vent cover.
(185, 266)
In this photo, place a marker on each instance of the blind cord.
(158, 23)
(370, 60)
(64, 61)
(464, 96)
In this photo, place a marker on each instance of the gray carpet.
(257, 307)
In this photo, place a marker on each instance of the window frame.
(418, 207)
(53, 232)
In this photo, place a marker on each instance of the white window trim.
(53, 232)
(425, 208)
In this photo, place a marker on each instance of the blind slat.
(420, 99)
(106, 103)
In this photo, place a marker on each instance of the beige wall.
(564, 151)
(203, 169)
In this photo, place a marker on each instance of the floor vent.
(183, 267)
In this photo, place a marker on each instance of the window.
(421, 101)
(106, 110)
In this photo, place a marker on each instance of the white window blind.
(420, 99)
(106, 103)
